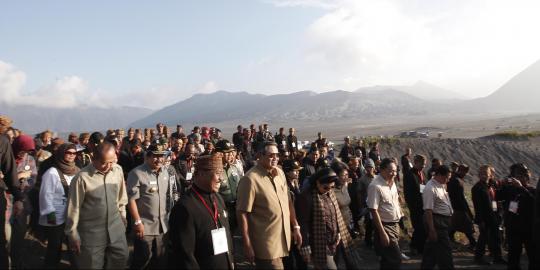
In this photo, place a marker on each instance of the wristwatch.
(137, 222)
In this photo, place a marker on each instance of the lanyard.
(215, 214)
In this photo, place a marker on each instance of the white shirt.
(435, 198)
(384, 199)
(52, 197)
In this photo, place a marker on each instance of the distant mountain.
(32, 119)
(422, 90)
(520, 93)
(300, 106)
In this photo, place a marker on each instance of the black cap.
(290, 165)
(158, 147)
(224, 146)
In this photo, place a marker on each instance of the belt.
(440, 215)
(389, 223)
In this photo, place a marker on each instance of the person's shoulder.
(51, 171)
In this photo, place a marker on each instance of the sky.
(156, 53)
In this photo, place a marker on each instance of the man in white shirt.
(383, 203)
(437, 216)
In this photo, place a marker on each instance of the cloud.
(470, 46)
(209, 87)
(66, 92)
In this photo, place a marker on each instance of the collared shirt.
(436, 198)
(149, 190)
(229, 185)
(266, 200)
(96, 206)
(52, 197)
(384, 199)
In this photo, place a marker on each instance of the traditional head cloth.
(209, 162)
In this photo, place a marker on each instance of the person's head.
(95, 139)
(347, 140)
(120, 133)
(23, 145)
(408, 151)
(131, 133)
(323, 180)
(5, 123)
(269, 155)
(520, 172)
(454, 166)
(227, 150)
(159, 127)
(291, 131)
(179, 129)
(291, 168)
(66, 152)
(84, 138)
(190, 151)
(342, 171)
(177, 143)
(358, 153)
(104, 156)
(46, 137)
(319, 135)
(436, 163)
(10, 132)
(197, 138)
(155, 155)
(265, 127)
(370, 167)
(354, 163)
(419, 162)
(485, 173)
(196, 129)
(209, 147)
(281, 130)
(388, 169)
(323, 151)
(73, 138)
(314, 154)
(442, 174)
(463, 170)
(208, 171)
(246, 132)
(135, 147)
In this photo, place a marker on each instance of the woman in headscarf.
(342, 192)
(52, 200)
(23, 147)
(326, 240)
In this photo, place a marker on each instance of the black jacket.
(308, 170)
(10, 182)
(457, 195)
(482, 203)
(411, 191)
(190, 226)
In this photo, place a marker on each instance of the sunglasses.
(71, 153)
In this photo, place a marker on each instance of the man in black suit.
(413, 184)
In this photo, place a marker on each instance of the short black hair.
(385, 163)
(442, 170)
(262, 147)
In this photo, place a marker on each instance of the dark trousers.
(55, 237)
(4, 258)
(439, 252)
(418, 238)
(19, 226)
(368, 229)
(231, 215)
(516, 241)
(148, 248)
(390, 255)
(490, 236)
(294, 260)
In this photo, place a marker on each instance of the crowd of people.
(181, 198)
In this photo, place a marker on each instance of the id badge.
(153, 182)
(293, 145)
(422, 187)
(494, 206)
(219, 241)
(513, 207)
(189, 175)
(283, 142)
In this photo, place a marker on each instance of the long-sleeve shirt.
(8, 169)
(52, 197)
(97, 206)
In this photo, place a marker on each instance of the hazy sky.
(155, 53)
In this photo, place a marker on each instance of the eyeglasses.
(327, 186)
(71, 153)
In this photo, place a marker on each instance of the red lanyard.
(215, 214)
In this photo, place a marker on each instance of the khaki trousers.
(108, 256)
